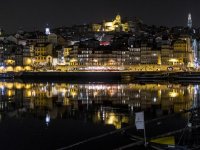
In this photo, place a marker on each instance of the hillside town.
(115, 45)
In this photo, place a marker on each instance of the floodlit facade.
(42, 51)
(98, 59)
(110, 26)
(183, 53)
(178, 54)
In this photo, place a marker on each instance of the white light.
(154, 54)
(189, 16)
(189, 125)
(47, 119)
(47, 31)
(196, 89)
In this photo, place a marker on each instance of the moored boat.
(148, 76)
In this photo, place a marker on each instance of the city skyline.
(106, 74)
(35, 14)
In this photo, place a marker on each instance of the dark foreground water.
(52, 115)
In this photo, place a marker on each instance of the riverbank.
(105, 76)
(109, 76)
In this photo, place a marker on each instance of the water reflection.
(111, 104)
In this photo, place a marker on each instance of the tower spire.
(189, 24)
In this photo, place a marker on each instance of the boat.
(148, 76)
(186, 76)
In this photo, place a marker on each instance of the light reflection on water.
(112, 104)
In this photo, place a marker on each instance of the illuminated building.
(115, 25)
(105, 49)
(166, 54)
(41, 38)
(42, 51)
(28, 56)
(96, 27)
(183, 53)
(18, 56)
(66, 51)
(12, 54)
(134, 54)
(62, 56)
(102, 58)
(149, 56)
(177, 53)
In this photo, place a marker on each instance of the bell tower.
(189, 23)
(118, 19)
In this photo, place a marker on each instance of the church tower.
(118, 19)
(189, 23)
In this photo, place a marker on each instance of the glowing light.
(9, 68)
(28, 93)
(154, 54)
(9, 93)
(27, 68)
(47, 119)
(95, 60)
(112, 92)
(47, 31)
(28, 61)
(173, 60)
(27, 86)
(9, 85)
(173, 94)
(73, 60)
(18, 69)
(66, 102)
(18, 85)
(95, 93)
(112, 119)
(33, 93)
(73, 94)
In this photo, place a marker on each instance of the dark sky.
(29, 14)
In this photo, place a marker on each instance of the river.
(92, 115)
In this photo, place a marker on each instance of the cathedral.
(110, 26)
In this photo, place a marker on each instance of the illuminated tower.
(47, 30)
(118, 19)
(189, 24)
(195, 52)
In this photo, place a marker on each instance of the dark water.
(54, 115)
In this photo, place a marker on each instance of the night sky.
(34, 14)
